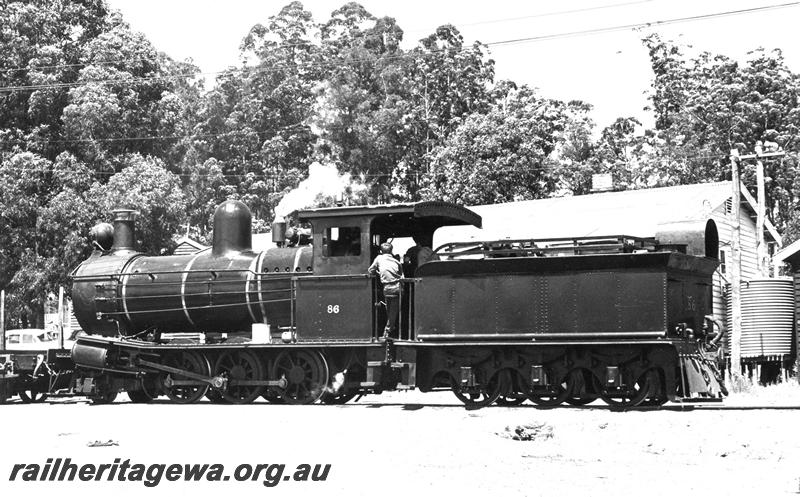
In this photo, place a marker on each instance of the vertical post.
(761, 251)
(735, 332)
(60, 322)
(3, 319)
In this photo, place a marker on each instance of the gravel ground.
(424, 444)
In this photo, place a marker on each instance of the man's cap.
(386, 248)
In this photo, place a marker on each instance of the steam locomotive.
(619, 318)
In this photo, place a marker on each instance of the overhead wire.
(503, 42)
(555, 13)
(305, 44)
(354, 176)
(639, 25)
(409, 54)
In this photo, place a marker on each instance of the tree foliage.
(94, 117)
(505, 154)
(707, 105)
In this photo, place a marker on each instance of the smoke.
(336, 383)
(323, 185)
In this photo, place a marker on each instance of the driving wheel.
(193, 390)
(241, 368)
(305, 373)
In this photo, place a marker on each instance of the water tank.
(767, 317)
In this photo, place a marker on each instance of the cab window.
(342, 241)
(27, 339)
(13, 338)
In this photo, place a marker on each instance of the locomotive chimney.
(124, 230)
(279, 231)
(232, 228)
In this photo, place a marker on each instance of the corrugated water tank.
(767, 317)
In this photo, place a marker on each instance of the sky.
(609, 70)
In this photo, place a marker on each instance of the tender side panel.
(568, 303)
(690, 298)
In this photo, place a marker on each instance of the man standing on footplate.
(390, 271)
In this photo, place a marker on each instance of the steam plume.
(323, 182)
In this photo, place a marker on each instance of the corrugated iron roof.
(631, 212)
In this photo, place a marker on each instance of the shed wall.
(747, 246)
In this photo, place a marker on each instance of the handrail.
(273, 274)
(542, 247)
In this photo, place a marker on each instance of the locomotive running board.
(544, 336)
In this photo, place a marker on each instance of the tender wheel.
(658, 396)
(482, 395)
(553, 395)
(584, 390)
(306, 375)
(654, 402)
(240, 366)
(582, 400)
(32, 396)
(513, 396)
(511, 400)
(634, 395)
(189, 361)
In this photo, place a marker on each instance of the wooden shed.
(640, 213)
(186, 245)
(791, 255)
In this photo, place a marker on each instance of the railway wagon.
(617, 317)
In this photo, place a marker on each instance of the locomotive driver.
(390, 272)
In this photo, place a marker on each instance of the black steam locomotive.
(619, 318)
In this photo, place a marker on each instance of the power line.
(640, 25)
(411, 54)
(137, 138)
(544, 14)
(295, 45)
(356, 176)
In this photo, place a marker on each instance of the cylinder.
(92, 356)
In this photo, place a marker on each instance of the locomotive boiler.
(616, 317)
(121, 292)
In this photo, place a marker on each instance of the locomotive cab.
(341, 295)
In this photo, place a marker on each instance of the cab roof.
(433, 214)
